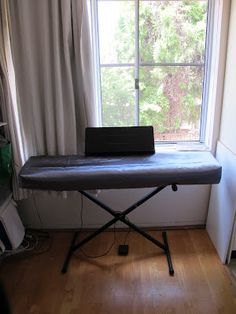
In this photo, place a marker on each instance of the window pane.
(170, 100)
(116, 31)
(172, 31)
(118, 107)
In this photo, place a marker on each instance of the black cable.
(81, 227)
(39, 238)
(31, 245)
(127, 233)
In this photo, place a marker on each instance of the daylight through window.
(152, 65)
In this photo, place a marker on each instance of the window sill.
(181, 146)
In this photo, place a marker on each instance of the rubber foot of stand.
(171, 272)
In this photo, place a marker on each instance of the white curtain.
(8, 103)
(54, 75)
(53, 64)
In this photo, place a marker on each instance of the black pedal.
(123, 249)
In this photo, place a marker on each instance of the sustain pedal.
(123, 249)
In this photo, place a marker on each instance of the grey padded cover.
(70, 173)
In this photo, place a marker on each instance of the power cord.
(81, 227)
(32, 244)
(127, 233)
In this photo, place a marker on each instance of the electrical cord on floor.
(33, 244)
(127, 233)
(42, 242)
(81, 227)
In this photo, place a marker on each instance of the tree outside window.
(170, 57)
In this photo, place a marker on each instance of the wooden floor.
(138, 283)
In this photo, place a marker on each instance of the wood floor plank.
(138, 283)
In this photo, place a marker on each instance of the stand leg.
(120, 216)
(74, 247)
(70, 252)
(167, 252)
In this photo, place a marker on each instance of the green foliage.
(195, 11)
(170, 96)
(118, 95)
(125, 47)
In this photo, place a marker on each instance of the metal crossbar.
(121, 216)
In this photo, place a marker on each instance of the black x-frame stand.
(121, 216)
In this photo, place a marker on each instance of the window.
(153, 65)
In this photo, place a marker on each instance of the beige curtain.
(54, 75)
(53, 64)
(8, 98)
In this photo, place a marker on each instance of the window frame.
(207, 64)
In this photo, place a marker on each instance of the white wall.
(228, 126)
(188, 206)
(221, 214)
(223, 198)
(228, 117)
